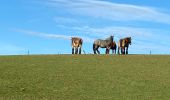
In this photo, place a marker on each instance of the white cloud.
(40, 34)
(143, 41)
(65, 20)
(118, 32)
(112, 11)
(55, 36)
(88, 10)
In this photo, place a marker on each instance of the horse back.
(101, 43)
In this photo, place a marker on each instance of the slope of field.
(85, 77)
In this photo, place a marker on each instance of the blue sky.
(45, 26)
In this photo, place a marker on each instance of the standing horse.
(76, 43)
(124, 45)
(113, 47)
(102, 43)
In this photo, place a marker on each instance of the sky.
(46, 26)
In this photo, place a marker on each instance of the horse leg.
(123, 50)
(72, 50)
(127, 50)
(76, 52)
(118, 51)
(94, 51)
(107, 50)
(80, 50)
(94, 48)
(98, 50)
(113, 51)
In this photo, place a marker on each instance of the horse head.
(129, 40)
(111, 38)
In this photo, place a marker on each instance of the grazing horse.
(76, 43)
(113, 47)
(102, 43)
(123, 45)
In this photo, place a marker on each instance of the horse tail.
(93, 46)
(94, 49)
(81, 41)
(115, 45)
(119, 46)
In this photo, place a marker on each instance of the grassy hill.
(85, 77)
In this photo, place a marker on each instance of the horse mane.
(109, 38)
(75, 38)
(127, 38)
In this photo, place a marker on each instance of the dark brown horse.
(76, 44)
(113, 47)
(124, 45)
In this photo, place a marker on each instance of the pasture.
(85, 77)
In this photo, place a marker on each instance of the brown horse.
(113, 46)
(76, 43)
(124, 45)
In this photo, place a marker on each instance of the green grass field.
(85, 77)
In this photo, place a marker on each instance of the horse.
(76, 43)
(124, 45)
(113, 47)
(102, 44)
